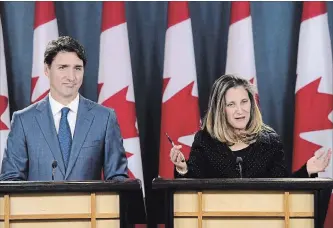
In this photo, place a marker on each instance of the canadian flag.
(4, 104)
(314, 90)
(240, 51)
(45, 30)
(115, 82)
(180, 111)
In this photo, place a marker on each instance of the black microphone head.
(54, 164)
(239, 160)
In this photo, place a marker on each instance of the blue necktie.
(65, 136)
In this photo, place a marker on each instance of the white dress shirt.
(71, 117)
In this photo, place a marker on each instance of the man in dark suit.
(78, 135)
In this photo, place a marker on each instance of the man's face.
(65, 74)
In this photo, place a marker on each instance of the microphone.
(54, 166)
(239, 162)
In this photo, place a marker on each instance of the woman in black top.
(233, 128)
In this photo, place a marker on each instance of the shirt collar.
(56, 106)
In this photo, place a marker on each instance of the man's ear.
(46, 70)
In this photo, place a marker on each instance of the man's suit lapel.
(83, 122)
(46, 124)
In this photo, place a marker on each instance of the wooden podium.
(93, 204)
(241, 203)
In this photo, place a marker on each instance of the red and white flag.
(314, 90)
(45, 30)
(240, 52)
(115, 82)
(180, 109)
(4, 104)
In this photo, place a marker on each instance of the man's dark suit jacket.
(33, 145)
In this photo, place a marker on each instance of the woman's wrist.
(182, 171)
(307, 170)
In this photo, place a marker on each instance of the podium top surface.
(243, 184)
(69, 186)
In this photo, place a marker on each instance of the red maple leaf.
(126, 115)
(3, 107)
(125, 110)
(33, 85)
(311, 114)
(180, 117)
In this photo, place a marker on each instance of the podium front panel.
(47, 204)
(242, 202)
(301, 202)
(242, 222)
(251, 201)
(34, 210)
(54, 224)
(250, 209)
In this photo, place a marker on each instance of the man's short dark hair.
(64, 44)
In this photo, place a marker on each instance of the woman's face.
(238, 107)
